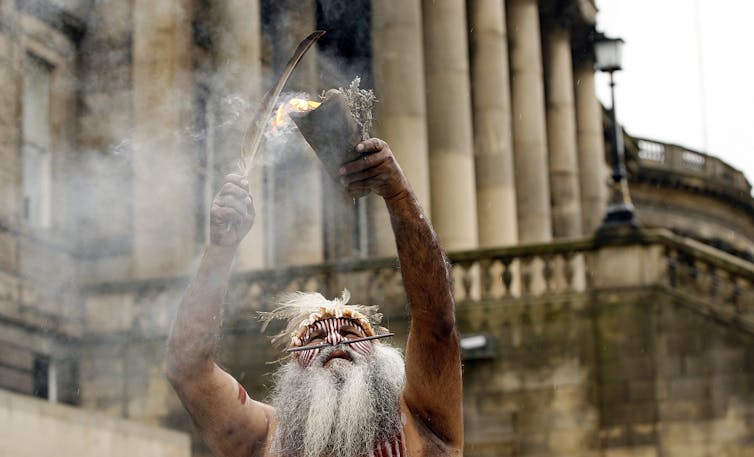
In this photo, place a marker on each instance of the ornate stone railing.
(655, 155)
(714, 282)
(521, 271)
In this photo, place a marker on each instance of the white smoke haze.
(94, 199)
(340, 410)
(103, 191)
(279, 141)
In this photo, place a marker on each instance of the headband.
(301, 309)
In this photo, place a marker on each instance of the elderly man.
(343, 392)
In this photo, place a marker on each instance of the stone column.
(163, 169)
(454, 211)
(561, 133)
(529, 131)
(11, 90)
(493, 141)
(593, 167)
(11, 93)
(398, 63)
(103, 148)
(296, 225)
(237, 63)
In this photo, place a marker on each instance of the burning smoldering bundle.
(337, 125)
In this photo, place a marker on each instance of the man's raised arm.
(228, 420)
(433, 390)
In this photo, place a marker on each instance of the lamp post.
(608, 53)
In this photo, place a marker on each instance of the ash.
(361, 103)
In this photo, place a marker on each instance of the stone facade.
(633, 343)
(72, 432)
(624, 357)
(703, 196)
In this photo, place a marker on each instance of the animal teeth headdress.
(301, 310)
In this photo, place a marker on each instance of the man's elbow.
(174, 373)
(179, 368)
(440, 321)
(442, 326)
(446, 327)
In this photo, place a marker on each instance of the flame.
(294, 104)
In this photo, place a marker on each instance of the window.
(55, 380)
(42, 376)
(37, 161)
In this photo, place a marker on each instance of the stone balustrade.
(711, 281)
(719, 286)
(620, 284)
(655, 155)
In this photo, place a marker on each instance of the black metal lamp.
(608, 54)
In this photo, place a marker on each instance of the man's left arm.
(433, 390)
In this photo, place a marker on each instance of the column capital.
(582, 45)
(568, 13)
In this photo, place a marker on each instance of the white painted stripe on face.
(332, 335)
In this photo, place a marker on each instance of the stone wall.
(705, 216)
(535, 397)
(633, 373)
(38, 298)
(30, 427)
(673, 382)
(623, 364)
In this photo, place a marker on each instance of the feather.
(253, 136)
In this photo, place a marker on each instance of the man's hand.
(376, 170)
(232, 213)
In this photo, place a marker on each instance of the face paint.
(333, 331)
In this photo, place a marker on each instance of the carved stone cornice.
(56, 17)
(692, 171)
(568, 13)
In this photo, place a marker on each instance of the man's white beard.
(341, 410)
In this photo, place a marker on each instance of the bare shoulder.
(421, 441)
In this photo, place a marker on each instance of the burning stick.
(253, 135)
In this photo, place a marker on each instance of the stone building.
(120, 117)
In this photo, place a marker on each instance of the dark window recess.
(348, 42)
(345, 52)
(41, 376)
(204, 173)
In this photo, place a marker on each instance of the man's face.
(333, 331)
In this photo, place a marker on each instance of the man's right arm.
(434, 390)
(228, 420)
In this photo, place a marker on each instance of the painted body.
(427, 410)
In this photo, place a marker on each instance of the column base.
(621, 215)
(621, 212)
